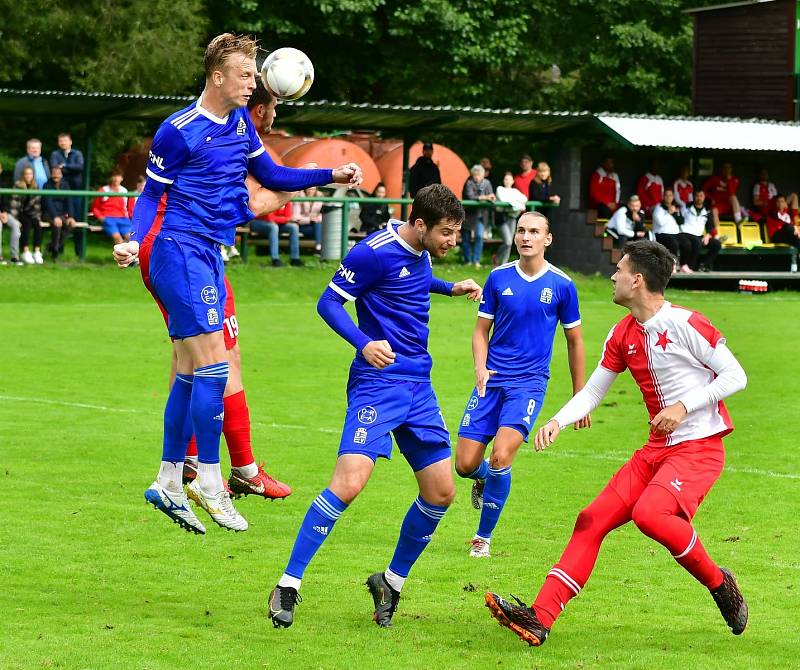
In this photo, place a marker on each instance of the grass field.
(92, 577)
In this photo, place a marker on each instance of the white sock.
(288, 580)
(170, 475)
(394, 580)
(487, 540)
(192, 459)
(247, 471)
(210, 477)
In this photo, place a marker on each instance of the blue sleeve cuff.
(441, 286)
(331, 308)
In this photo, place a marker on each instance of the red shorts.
(687, 470)
(230, 326)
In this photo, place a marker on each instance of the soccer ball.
(287, 73)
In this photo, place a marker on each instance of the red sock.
(236, 428)
(567, 577)
(191, 450)
(657, 514)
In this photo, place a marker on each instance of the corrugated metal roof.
(703, 133)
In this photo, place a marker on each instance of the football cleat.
(260, 485)
(519, 618)
(731, 602)
(385, 599)
(477, 493)
(281, 605)
(479, 548)
(219, 506)
(189, 471)
(176, 506)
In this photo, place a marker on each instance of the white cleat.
(219, 506)
(176, 506)
(479, 548)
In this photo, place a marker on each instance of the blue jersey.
(390, 282)
(526, 311)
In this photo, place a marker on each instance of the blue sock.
(208, 410)
(495, 494)
(481, 472)
(176, 414)
(415, 533)
(316, 526)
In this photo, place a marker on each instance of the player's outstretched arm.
(480, 351)
(469, 288)
(576, 357)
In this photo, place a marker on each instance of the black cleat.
(519, 618)
(281, 605)
(385, 598)
(476, 497)
(731, 603)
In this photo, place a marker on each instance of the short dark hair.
(261, 96)
(377, 186)
(434, 203)
(65, 135)
(116, 172)
(526, 157)
(653, 261)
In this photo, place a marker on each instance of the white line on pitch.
(64, 403)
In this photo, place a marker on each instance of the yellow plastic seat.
(728, 229)
(751, 234)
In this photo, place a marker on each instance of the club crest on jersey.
(208, 294)
(213, 317)
(348, 275)
(547, 296)
(367, 414)
(241, 128)
(360, 436)
(473, 403)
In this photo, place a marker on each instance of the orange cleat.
(520, 619)
(261, 485)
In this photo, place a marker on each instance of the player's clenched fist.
(469, 288)
(482, 376)
(546, 435)
(348, 174)
(379, 354)
(126, 253)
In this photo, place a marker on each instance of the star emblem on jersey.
(663, 341)
(208, 295)
(547, 296)
(404, 272)
(508, 291)
(367, 414)
(241, 128)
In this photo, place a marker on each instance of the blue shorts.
(188, 277)
(116, 224)
(515, 408)
(409, 410)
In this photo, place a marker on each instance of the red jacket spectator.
(650, 190)
(604, 186)
(684, 192)
(522, 181)
(778, 218)
(279, 216)
(764, 193)
(720, 188)
(110, 206)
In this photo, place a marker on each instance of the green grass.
(94, 578)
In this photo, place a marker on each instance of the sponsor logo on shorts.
(473, 403)
(213, 317)
(465, 421)
(676, 484)
(367, 414)
(526, 419)
(208, 294)
(360, 436)
(547, 296)
(241, 128)
(322, 530)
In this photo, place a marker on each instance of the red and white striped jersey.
(667, 357)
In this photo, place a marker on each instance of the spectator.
(141, 180)
(33, 159)
(269, 225)
(721, 192)
(424, 172)
(8, 219)
(477, 187)
(698, 230)
(308, 216)
(486, 164)
(667, 220)
(764, 193)
(71, 163)
(522, 181)
(604, 189)
(112, 211)
(627, 223)
(27, 209)
(781, 226)
(541, 187)
(374, 215)
(650, 188)
(683, 189)
(506, 228)
(58, 211)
